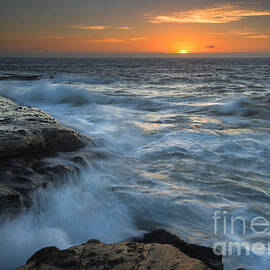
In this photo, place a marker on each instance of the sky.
(138, 26)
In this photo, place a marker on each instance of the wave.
(75, 78)
(84, 208)
(239, 106)
(45, 92)
(245, 106)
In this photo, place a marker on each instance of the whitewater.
(176, 140)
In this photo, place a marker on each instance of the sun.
(183, 51)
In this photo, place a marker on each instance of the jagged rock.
(26, 136)
(95, 255)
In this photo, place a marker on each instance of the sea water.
(178, 140)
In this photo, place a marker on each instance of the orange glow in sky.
(182, 28)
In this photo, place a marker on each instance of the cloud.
(116, 40)
(259, 36)
(99, 27)
(107, 40)
(219, 14)
(211, 47)
(123, 28)
(249, 33)
(244, 33)
(56, 37)
(91, 27)
(136, 38)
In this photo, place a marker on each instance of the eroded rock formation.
(26, 136)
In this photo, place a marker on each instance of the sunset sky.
(141, 26)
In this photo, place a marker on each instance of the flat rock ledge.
(27, 135)
(150, 252)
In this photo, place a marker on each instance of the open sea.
(176, 140)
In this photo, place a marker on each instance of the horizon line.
(138, 54)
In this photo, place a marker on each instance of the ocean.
(183, 144)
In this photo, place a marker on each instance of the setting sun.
(183, 51)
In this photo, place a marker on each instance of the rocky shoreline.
(27, 136)
(28, 139)
(158, 250)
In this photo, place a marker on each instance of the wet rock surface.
(27, 135)
(121, 256)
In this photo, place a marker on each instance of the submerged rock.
(26, 136)
(16, 77)
(121, 256)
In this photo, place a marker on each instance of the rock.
(26, 131)
(27, 135)
(201, 253)
(121, 256)
(15, 77)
